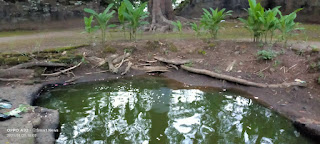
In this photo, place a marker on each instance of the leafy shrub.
(261, 22)
(211, 20)
(266, 54)
(135, 15)
(102, 19)
(177, 26)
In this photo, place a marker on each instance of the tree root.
(226, 77)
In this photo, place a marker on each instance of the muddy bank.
(286, 102)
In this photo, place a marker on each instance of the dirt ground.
(300, 104)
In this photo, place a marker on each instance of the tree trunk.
(161, 13)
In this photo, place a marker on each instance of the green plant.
(270, 22)
(89, 28)
(287, 25)
(195, 28)
(88, 25)
(102, 19)
(266, 54)
(121, 10)
(211, 20)
(189, 64)
(315, 49)
(203, 52)
(177, 26)
(276, 63)
(135, 15)
(253, 22)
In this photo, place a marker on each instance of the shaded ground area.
(301, 105)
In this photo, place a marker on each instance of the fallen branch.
(238, 80)
(127, 68)
(148, 61)
(173, 61)
(10, 80)
(150, 69)
(120, 58)
(63, 71)
(112, 68)
(40, 64)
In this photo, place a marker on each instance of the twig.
(291, 67)
(96, 72)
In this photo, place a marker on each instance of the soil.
(299, 104)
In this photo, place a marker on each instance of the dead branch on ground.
(62, 71)
(127, 68)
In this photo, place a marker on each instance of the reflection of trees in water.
(146, 111)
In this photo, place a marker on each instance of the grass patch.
(16, 60)
(62, 49)
(109, 49)
(16, 33)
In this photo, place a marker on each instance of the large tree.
(161, 12)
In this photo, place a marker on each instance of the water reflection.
(146, 111)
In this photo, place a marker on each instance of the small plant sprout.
(266, 54)
(177, 26)
(135, 15)
(102, 19)
(211, 20)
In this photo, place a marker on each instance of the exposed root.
(238, 80)
(63, 71)
(127, 68)
(226, 77)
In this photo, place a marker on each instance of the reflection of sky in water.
(128, 114)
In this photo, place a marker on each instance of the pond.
(157, 110)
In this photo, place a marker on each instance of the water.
(155, 110)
